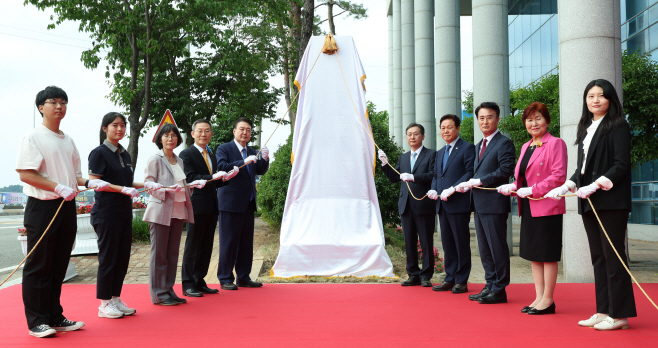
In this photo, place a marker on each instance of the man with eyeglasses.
(199, 164)
(237, 204)
(48, 163)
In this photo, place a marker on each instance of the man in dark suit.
(453, 165)
(237, 204)
(418, 223)
(494, 164)
(200, 165)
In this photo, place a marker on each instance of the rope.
(534, 199)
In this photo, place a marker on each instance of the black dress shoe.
(493, 298)
(426, 283)
(459, 288)
(249, 284)
(229, 286)
(180, 300)
(192, 292)
(412, 281)
(207, 290)
(485, 291)
(443, 286)
(548, 310)
(167, 302)
(526, 309)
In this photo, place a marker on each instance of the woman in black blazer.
(604, 175)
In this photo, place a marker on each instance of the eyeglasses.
(55, 103)
(172, 136)
(203, 131)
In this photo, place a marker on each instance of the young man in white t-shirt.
(49, 164)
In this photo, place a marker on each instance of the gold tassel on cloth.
(329, 45)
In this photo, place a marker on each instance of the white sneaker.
(121, 306)
(611, 324)
(109, 310)
(593, 320)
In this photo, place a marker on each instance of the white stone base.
(643, 232)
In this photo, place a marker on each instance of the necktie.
(205, 158)
(445, 157)
(244, 156)
(484, 147)
(413, 160)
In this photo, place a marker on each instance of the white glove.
(587, 191)
(174, 188)
(66, 192)
(406, 177)
(432, 194)
(447, 193)
(465, 186)
(462, 187)
(382, 156)
(219, 174)
(98, 184)
(198, 184)
(555, 193)
(524, 192)
(130, 191)
(250, 159)
(150, 185)
(265, 152)
(228, 176)
(505, 189)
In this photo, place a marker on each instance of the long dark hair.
(107, 119)
(613, 118)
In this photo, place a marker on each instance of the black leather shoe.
(485, 291)
(459, 288)
(426, 283)
(526, 309)
(493, 298)
(412, 281)
(192, 292)
(168, 302)
(443, 286)
(229, 286)
(207, 290)
(548, 310)
(180, 300)
(249, 284)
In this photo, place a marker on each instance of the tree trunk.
(330, 16)
(295, 33)
(308, 13)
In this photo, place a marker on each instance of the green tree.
(12, 188)
(466, 130)
(355, 10)
(273, 187)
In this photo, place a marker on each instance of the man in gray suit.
(494, 164)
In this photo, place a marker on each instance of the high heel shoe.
(548, 310)
(526, 309)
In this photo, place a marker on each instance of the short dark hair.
(488, 105)
(166, 128)
(536, 107)
(456, 119)
(414, 124)
(201, 120)
(49, 92)
(107, 119)
(243, 119)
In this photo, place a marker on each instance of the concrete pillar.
(391, 104)
(397, 73)
(590, 48)
(447, 72)
(424, 68)
(408, 75)
(491, 64)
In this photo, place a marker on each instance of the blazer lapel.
(545, 139)
(477, 154)
(199, 157)
(487, 150)
(592, 145)
(452, 155)
(166, 161)
(420, 156)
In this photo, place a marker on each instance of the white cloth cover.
(332, 224)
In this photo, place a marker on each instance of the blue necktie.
(446, 154)
(244, 156)
(413, 160)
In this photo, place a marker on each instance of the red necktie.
(484, 147)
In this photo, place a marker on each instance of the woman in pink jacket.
(541, 168)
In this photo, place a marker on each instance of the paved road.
(10, 247)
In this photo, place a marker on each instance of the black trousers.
(456, 240)
(491, 231)
(614, 287)
(114, 240)
(236, 244)
(45, 269)
(419, 228)
(198, 250)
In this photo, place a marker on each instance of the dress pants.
(614, 287)
(456, 240)
(45, 269)
(415, 228)
(114, 240)
(236, 244)
(198, 250)
(491, 231)
(165, 243)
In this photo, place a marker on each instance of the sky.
(33, 57)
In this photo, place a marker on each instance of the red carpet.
(336, 315)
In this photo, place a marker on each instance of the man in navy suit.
(494, 164)
(453, 165)
(418, 223)
(237, 204)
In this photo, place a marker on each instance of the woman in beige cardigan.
(168, 208)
